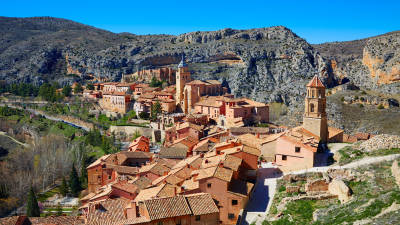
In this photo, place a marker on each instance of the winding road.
(36, 112)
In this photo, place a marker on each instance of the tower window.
(297, 149)
(311, 107)
(284, 157)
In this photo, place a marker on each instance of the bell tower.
(314, 119)
(182, 77)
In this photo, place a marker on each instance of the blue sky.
(316, 21)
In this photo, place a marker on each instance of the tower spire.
(182, 63)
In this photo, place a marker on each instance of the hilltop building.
(189, 92)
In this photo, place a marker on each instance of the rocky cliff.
(267, 64)
(371, 63)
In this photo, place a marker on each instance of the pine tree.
(155, 110)
(64, 187)
(74, 183)
(32, 208)
(83, 178)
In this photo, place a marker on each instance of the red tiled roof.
(127, 187)
(315, 82)
(201, 204)
(161, 208)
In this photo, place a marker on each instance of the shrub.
(380, 106)
(361, 105)
(342, 99)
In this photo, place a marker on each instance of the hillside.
(267, 64)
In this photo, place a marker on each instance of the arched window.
(311, 107)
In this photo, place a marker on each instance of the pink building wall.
(294, 160)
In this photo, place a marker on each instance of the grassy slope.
(370, 196)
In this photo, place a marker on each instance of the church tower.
(182, 77)
(314, 119)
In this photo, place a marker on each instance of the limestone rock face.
(339, 188)
(267, 64)
(371, 63)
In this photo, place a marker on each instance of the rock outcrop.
(371, 63)
(381, 142)
(339, 188)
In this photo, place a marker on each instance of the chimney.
(165, 173)
(175, 191)
(182, 189)
(202, 155)
(258, 135)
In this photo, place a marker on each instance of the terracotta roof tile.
(123, 170)
(127, 187)
(167, 207)
(201, 204)
(56, 220)
(106, 212)
(232, 162)
(141, 182)
(174, 152)
(98, 161)
(315, 82)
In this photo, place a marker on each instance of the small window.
(234, 202)
(209, 185)
(284, 157)
(231, 216)
(197, 218)
(109, 177)
(297, 149)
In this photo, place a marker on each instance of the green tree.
(64, 187)
(78, 88)
(67, 91)
(74, 183)
(47, 92)
(155, 110)
(93, 138)
(32, 208)
(59, 210)
(144, 115)
(155, 82)
(90, 87)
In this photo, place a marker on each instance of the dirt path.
(15, 140)
(361, 162)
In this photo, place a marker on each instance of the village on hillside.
(205, 157)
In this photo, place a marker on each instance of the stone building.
(189, 92)
(164, 74)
